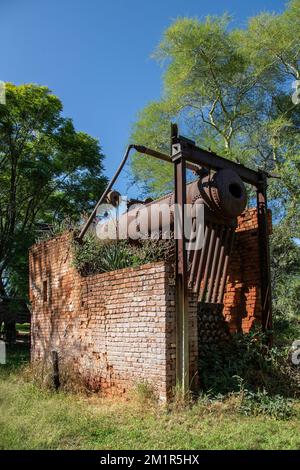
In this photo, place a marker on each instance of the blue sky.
(95, 55)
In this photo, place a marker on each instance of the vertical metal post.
(264, 249)
(55, 376)
(182, 316)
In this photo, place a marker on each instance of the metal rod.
(208, 159)
(225, 267)
(197, 283)
(220, 264)
(162, 156)
(214, 264)
(189, 250)
(102, 198)
(55, 376)
(195, 259)
(208, 263)
(182, 316)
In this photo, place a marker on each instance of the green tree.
(229, 90)
(48, 172)
(285, 263)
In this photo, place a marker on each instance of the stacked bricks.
(242, 299)
(212, 328)
(117, 329)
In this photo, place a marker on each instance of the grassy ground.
(31, 418)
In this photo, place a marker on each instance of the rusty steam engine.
(220, 189)
(223, 196)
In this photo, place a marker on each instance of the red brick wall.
(119, 328)
(242, 304)
(116, 328)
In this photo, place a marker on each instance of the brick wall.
(119, 328)
(113, 327)
(242, 304)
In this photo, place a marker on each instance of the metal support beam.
(211, 160)
(182, 315)
(163, 157)
(92, 216)
(265, 269)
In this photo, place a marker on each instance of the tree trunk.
(2, 288)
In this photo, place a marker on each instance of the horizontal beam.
(210, 160)
(162, 156)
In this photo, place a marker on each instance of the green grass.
(33, 418)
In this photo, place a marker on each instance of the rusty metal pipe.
(162, 156)
(102, 198)
(208, 263)
(214, 264)
(225, 267)
(220, 264)
(195, 258)
(202, 259)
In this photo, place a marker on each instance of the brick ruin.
(117, 329)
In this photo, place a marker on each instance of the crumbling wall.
(119, 328)
(242, 299)
(116, 329)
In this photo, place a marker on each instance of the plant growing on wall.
(96, 256)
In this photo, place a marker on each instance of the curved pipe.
(138, 148)
(164, 157)
(102, 198)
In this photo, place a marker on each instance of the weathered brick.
(119, 328)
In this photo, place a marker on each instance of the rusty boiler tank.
(222, 196)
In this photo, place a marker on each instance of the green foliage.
(245, 358)
(96, 256)
(230, 90)
(56, 229)
(48, 172)
(285, 263)
(144, 394)
(93, 256)
(153, 130)
(261, 403)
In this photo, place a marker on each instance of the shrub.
(144, 393)
(96, 256)
(261, 403)
(55, 229)
(246, 357)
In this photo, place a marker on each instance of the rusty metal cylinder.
(222, 192)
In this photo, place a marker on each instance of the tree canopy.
(231, 91)
(48, 172)
(234, 91)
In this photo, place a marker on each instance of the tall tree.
(48, 171)
(230, 90)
